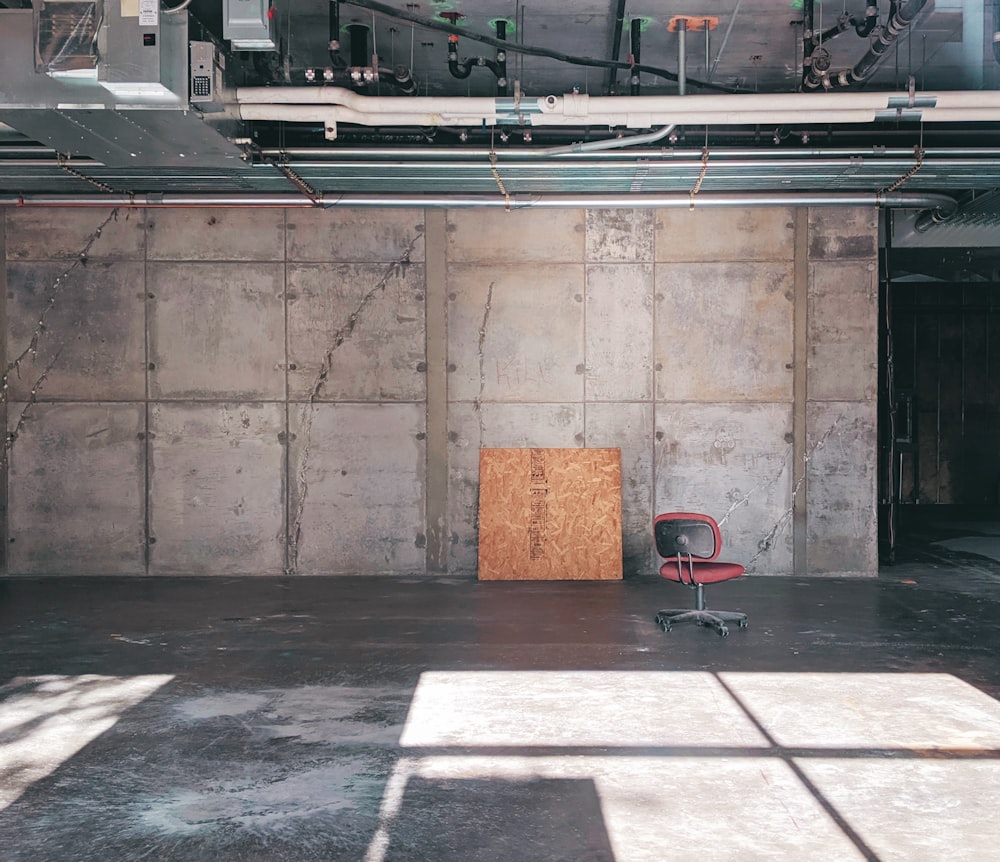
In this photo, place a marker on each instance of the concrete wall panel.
(515, 333)
(511, 238)
(464, 435)
(34, 234)
(724, 332)
(217, 496)
(216, 330)
(532, 425)
(843, 331)
(629, 427)
(356, 235)
(724, 234)
(557, 426)
(356, 496)
(843, 233)
(620, 235)
(76, 489)
(733, 462)
(216, 234)
(619, 332)
(91, 342)
(561, 326)
(360, 324)
(841, 481)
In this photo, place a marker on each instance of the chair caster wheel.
(744, 624)
(723, 631)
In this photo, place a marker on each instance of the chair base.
(669, 617)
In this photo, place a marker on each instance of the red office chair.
(690, 544)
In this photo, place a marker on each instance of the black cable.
(533, 51)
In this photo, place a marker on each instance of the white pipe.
(331, 115)
(373, 104)
(582, 104)
(331, 105)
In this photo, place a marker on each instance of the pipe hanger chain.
(63, 161)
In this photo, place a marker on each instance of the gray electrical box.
(202, 72)
(143, 56)
(248, 25)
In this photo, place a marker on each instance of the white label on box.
(149, 13)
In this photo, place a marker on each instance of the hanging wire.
(63, 162)
(704, 170)
(496, 173)
(912, 172)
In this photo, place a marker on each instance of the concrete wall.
(264, 391)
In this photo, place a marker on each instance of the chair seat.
(704, 573)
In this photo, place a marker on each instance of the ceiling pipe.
(808, 44)
(616, 47)
(821, 156)
(333, 105)
(941, 204)
(333, 28)
(521, 48)
(681, 56)
(635, 37)
(903, 16)
(610, 143)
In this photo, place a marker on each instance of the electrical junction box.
(143, 55)
(247, 25)
(203, 70)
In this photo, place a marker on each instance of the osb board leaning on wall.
(550, 514)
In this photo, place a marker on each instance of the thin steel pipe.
(896, 200)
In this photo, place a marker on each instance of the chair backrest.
(683, 534)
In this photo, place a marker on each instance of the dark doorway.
(939, 393)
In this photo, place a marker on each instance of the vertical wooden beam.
(800, 391)
(436, 330)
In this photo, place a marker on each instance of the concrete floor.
(443, 719)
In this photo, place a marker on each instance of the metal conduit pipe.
(172, 10)
(944, 205)
(833, 156)
(610, 143)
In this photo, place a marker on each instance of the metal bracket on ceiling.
(902, 107)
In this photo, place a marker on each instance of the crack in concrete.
(14, 365)
(396, 268)
(767, 542)
(478, 403)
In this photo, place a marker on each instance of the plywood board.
(550, 514)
